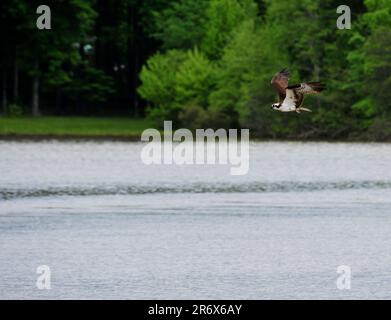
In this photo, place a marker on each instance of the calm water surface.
(109, 226)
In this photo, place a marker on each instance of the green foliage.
(116, 31)
(378, 68)
(158, 114)
(193, 117)
(56, 58)
(158, 77)
(194, 79)
(90, 85)
(208, 63)
(172, 80)
(229, 77)
(181, 24)
(71, 23)
(243, 86)
(222, 17)
(370, 62)
(14, 110)
(380, 130)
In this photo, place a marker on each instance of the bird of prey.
(291, 97)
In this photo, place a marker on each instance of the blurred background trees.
(205, 63)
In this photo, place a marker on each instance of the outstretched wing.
(280, 82)
(308, 87)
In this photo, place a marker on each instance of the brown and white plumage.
(291, 97)
(280, 82)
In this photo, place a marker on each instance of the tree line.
(87, 64)
(205, 63)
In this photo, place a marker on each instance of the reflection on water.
(111, 227)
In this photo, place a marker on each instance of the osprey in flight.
(291, 97)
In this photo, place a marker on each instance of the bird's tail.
(298, 110)
(317, 86)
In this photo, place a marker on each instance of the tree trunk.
(16, 81)
(35, 97)
(135, 85)
(4, 92)
(133, 59)
(59, 110)
(35, 104)
(317, 75)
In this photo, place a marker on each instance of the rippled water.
(109, 226)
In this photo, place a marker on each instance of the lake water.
(109, 226)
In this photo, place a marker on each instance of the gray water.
(109, 226)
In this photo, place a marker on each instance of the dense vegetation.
(205, 63)
(87, 64)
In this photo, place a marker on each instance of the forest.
(201, 64)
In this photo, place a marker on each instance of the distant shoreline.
(108, 129)
(72, 128)
(136, 138)
(65, 137)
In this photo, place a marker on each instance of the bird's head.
(276, 106)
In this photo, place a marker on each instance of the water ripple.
(253, 187)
